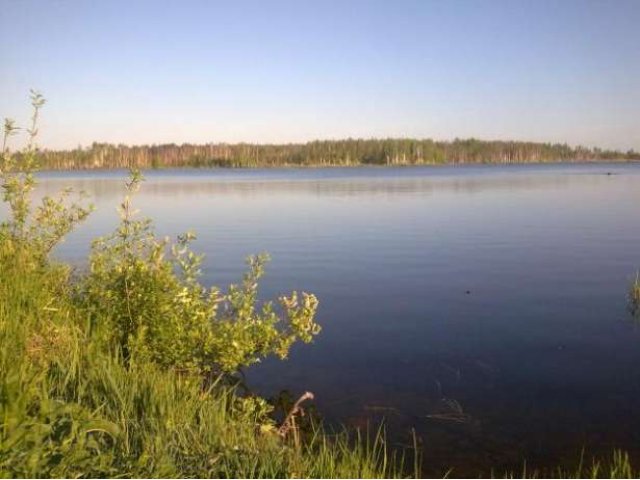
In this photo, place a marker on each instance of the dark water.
(483, 306)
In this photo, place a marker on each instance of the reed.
(634, 297)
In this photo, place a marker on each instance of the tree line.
(349, 152)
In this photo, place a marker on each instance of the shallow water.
(483, 306)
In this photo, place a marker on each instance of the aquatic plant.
(634, 297)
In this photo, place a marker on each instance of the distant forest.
(351, 152)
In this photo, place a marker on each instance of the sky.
(143, 72)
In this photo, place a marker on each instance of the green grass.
(617, 466)
(113, 375)
(69, 409)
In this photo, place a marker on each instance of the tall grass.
(617, 466)
(69, 409)
(113, 375)
(75, 403)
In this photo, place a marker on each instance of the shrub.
(31, 233)
(70, 407)
(142, 292)
(146, 295)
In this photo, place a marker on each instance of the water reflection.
(423, 182)
(483, 306)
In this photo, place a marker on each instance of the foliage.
(70, 406)
(34, 230)
(146, 294)
(84, 386)
(349, 152)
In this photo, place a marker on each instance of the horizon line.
(573, 146)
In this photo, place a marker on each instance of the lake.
(483, 306)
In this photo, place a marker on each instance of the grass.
(617, 466)
(69, 409)
(113, 374)
(75, 403)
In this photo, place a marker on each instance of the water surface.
(483, 306)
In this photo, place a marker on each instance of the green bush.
(31, 233)
(102, 376)
(144, 294)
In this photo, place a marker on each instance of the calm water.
(492, 295)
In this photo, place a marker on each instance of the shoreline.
(620, 162)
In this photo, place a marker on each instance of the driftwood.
(289, 423)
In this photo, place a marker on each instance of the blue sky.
(286, 71)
